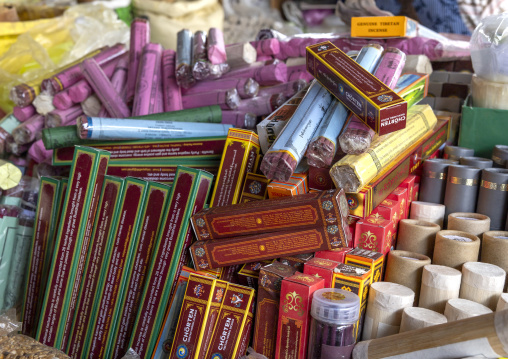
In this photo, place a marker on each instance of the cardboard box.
(73, 236)
(482, 128)
(401, 195)
(296, 185)
(255, 188)
(412, 87)
(319, 179)
(267, 309)
(416, 192)
(373, 261)
(247, 332)
(409, 184)
(294, 315)
(238, 158)
(389, 210)
(361, 92)
(336, 255)
(362, 203)
(248, 275)
(228, 331)
(321, 268)
(374, 233)
(297, 261)
(383, 26)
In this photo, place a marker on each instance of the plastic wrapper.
(42, 50)
(216, 50)
(489, 48)
(357, 137)
(25, 133)
(21, 346)
(251, 354)
(200, 63)
(9, 322)
(131, 354)
(183, 70)
(227, 99)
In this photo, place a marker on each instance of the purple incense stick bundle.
(171, 93)
(262, 105)
(23, 113)
(215, 48)
(226, 99)
(63, 117)
(140, 36)
(25, 132)
(268, 47)
(239, 119)
(183, 68)
(62, 100)
(246, 87)
(74, 73)
(268, 75)
(147, 84)
(104, 90)
(81, 89)
(200, 64)
(288, 89)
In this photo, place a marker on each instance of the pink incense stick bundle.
(23, 113)
(63, 117)
(171, 93)
(263, 58)
(81, 89)
(268, 75)
(226, 99)
(62, 100)
(262, 105)
(147, 84)
(140, 36)
(74, 73)
(268, 47)
(118, 81)
(159, 97)
(390, 67)
(288, 89)
(216, 49)
(239, 119)
(39, 153)
(26, 132)
(104, 89)
(246, 87)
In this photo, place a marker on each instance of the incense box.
(373, 261)
(189, 186)
(238, 159)
(336, 255)
(375, 233)
(297, 184)
(85, 182)
(294, 315)
(297, 261)
(255, 188)
(324, 209)
(248, 275)
(361, 92)
(321, 268)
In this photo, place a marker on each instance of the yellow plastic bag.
(167, 18)
(52, 43)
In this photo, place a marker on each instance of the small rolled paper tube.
(183, 70)
(439, 284)
(454, 248)
(22, 95)
(23, 113)
(261, 106)
(417, 318)
(10, 175)
(288, 89)
(370, 55)
(91, 106)
(25, 132)
(268, 47)
(494, 249)
(104, 89)
(429, 212)
(462, 185)
(455, 153)
(200, 64)
(406, 268)
(239, 119)
(417, 236)
(268, 75)
(227, 99)
(500, 156)
(12, 147)
(482, 283)
(384, 309)
(246, 87)
(458, 309)
(476, 162)
(502, 303)
(63, 118)
(63, 101)
(433, 182)
(140, 36)
(390, 66)
(239, 55)
(493, 197)
(215, 47)
(473, 223)
(171, 93)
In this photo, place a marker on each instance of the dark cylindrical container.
(493, 197)
(479, 162)
(433, 182)
(461, 192)
(500, 156)
(455, 153)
